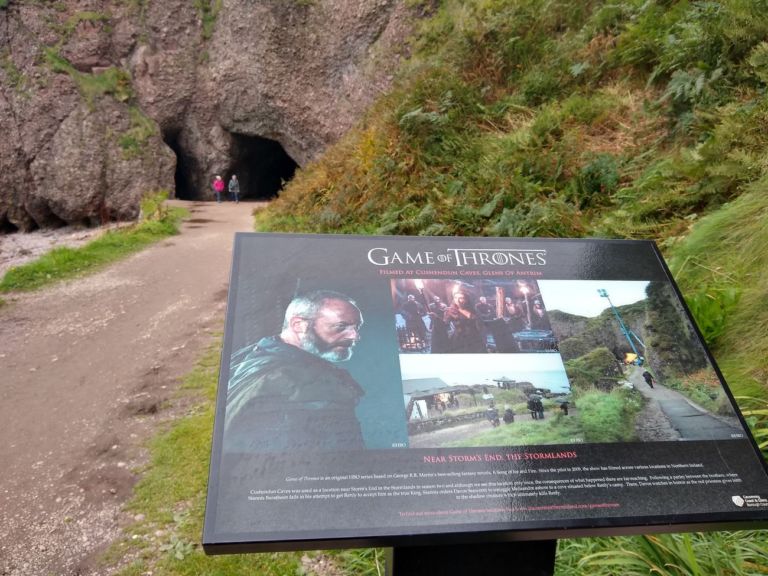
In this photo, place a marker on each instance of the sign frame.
(269, 269)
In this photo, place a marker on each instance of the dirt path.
(85, 368)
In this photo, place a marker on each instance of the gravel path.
(86, 368)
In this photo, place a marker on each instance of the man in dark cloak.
(286, 393)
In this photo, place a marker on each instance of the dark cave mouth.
(262, 166)
(7, 227)
(185, 166)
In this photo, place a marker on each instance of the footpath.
(684, 420)
(86, 371)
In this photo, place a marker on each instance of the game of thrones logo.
(461, 257)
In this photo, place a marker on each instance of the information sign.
(399, 390)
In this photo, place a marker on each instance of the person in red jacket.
(218, 187)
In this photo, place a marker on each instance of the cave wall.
(91, 93)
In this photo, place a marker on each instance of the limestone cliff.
(101, 102)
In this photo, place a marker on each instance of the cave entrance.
(6, 226)
(185, 167)
(261, 165)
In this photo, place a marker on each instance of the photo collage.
(524, 361)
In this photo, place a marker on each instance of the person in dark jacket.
(648, 377)
(286, 393)
(234, 188)
(413, 312)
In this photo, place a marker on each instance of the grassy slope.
(638, 119)
(522, 117)
(618, 119)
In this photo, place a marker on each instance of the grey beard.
(310, 343)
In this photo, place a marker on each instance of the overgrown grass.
(62, 263)
(702, 387)
(722, 269)
(711, 554)
(634, 119)
(557, 429)
(522, 117)
(169, 502)
(608, 417)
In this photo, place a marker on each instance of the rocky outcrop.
(100, 178)
(101, 102)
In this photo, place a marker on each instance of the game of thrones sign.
(392, 390)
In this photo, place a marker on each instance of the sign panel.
(392, 390)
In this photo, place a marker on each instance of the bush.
(571, 348)
(153, 206)
(591, 368)
(608, 417)
(596, 182)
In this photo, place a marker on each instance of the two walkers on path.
(233, 188)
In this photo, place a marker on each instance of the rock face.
(102, 102)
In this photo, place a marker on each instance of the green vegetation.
(672, 347)
(755, 410)
(113, 81)
(713, 554)
(68, 28)
(62, 263)
(116, 83)
(722, 269)
(608, 417)
(557, 429)
(522, 118)
(208, 10)
(703, 388)
(15, 77)
(134, 140)
(630, 119)
(598, 366)
(600, 331)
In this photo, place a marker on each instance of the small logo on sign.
(738, 500)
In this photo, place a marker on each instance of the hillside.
(635, 119)
(622, 119)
